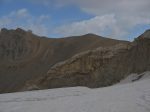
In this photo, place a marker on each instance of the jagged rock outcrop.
(100, 67)
(17, 45)
(85, 69)
(25, 56)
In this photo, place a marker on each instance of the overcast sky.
(119, 19)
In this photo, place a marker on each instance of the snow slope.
(128, 97)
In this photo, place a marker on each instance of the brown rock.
(103, 66)
(25, 56)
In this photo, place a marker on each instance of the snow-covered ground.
(123, 97)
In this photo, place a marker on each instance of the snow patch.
(129, 97)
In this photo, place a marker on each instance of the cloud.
(22, 18)
(105, 25)
(4, 21)
(127, 14)
(97, 25)
(115, 18)
(123, 7)
(22, 13)
(101, 7)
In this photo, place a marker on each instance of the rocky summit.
(29, 62)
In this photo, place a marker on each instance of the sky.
(118, 19)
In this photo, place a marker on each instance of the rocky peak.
(90, 35)
(21, 31)
(15, 44)
(145, 35)
(18, 31)
(4, 31)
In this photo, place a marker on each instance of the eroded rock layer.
(100, 67)
(25, 56)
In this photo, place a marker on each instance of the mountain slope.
(25, 56)
(100, 67)
(130, 97)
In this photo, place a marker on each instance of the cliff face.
(19, 54)
(13, 46)
(93, 68)
(100, 67)
(25, 56)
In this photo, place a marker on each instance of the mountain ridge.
(100, 67)
(25, 56)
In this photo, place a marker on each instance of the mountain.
(26, 57)
(103, 66)
(127, 97)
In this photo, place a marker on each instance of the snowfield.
(130, 95)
